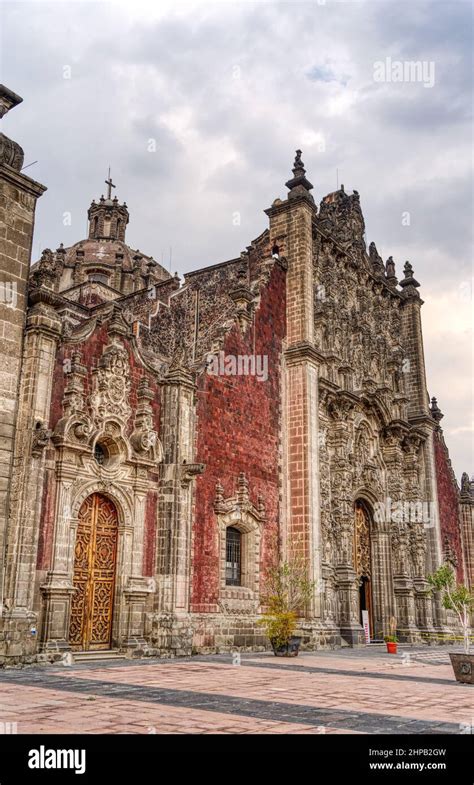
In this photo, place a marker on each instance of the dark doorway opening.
(363, 562)
(365, 602)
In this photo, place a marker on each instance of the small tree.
(287, 589)
(456, 597)
(391, 636)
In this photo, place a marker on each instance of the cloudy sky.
(198, 109)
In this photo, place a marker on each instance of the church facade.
(165, 443)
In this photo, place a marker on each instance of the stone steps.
(94, 656)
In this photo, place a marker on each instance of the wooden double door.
(95, 559)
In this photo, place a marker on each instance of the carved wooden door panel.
(362, 559)
(94, 574)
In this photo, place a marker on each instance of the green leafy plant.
(456, 597)
(391, 636)
(287, 590)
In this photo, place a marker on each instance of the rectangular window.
(233, 556)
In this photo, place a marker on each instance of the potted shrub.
(459, 599)
(286, 591)
(391, 641)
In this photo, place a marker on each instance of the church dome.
(104, 262)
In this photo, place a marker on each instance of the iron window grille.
(233, 547)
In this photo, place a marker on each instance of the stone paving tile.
(248, 706)
(445, 702)
(67, 713)
(336, 692)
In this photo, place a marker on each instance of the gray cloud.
(227, 92)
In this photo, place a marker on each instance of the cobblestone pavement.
(345, 691)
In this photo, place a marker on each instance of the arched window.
(98, 278)
(100, 454)
(233, 548)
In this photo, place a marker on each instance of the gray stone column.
(137, 588)
(58, 587)
(43, 328)
(171, 624)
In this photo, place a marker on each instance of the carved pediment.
(240, 503)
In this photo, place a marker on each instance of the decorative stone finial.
(436, 412)
(409, 280)
(242, 489)
(298, 166)
(299, 185)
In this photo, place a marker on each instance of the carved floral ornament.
(103, 418)
(111, 386)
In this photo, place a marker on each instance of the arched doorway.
(95, 557)
(363, 561)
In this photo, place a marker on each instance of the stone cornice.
(41, 294)
(303, 352)
(21, 181)
(289, 204)
(422, 419)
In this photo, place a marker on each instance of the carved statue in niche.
(465, 484)
(374, 369)
(400, 539)
(418, 548)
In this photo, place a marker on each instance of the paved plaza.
(326, 692)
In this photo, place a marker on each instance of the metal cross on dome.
(109, 185)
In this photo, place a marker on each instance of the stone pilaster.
(18, 197)
(171, 627)
(42, 333)
(420, 417)
(291, 231)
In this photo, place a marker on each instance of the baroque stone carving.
(111, 386)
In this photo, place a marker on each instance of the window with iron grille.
(233, 542)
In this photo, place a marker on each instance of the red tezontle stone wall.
(238, 431)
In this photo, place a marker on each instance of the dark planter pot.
(290, 649)
(463, 667)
